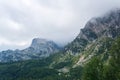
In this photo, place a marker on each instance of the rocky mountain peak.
(39, 48)
(105, 26)
(108, 25)
(38, 41)
(42, 44)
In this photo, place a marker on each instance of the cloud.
(8, 44)
(57, 20)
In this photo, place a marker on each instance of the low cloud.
(57, 20)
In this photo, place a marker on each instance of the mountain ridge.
(39, 48)
(105, 26)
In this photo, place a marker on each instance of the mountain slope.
(95, 39)
(106, 26)
(40, 48)
(101, 70)
(41, 69)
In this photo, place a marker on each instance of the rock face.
(44, 46)
(106, 26)
(40, 48)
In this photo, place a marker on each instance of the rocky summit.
(96, 28)
(40, 48)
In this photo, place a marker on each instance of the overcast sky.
(57, 20)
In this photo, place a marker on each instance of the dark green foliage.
(97, 70)
(31, 70)
(27, 70)
(113, 68)
(62, 65)
(93, 70)
(75, 73)
(77, 45)
(89, 33)
(106, 44)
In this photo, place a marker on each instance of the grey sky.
(57, 20)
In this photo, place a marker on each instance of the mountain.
(96, 38)
(92, 55)
(96, 28)
(94, 42)
(40, 48)
(48, 69)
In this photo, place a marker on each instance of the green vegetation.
(97, 70)
(77, 45)
(105, 65)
